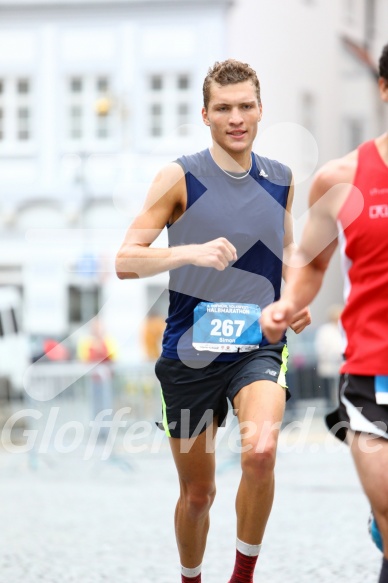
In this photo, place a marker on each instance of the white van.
(14, 357)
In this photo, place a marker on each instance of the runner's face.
(232, 115)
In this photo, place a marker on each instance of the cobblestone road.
(64, 519)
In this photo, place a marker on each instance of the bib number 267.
(226, 328)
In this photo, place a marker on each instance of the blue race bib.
(381, 389)
(226, 327)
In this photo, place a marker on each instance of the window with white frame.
(308, 117)
(350, 11)
(23, 111)
(168, 103)
(15, 110)
(89, 109)
(1, 110)
(353, 135)
(1, 124)
(370, 21)
(76, 107)
(83, 303)
(156, 119)
(308, 111)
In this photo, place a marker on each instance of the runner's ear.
(204, 117)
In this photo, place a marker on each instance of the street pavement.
(67, 519)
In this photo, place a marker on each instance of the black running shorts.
(357, 408)
(192, 397)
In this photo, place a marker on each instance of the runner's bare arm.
(309, 263)
(329, 191)
(165, 202)
(302, 318)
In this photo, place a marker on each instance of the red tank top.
(364, 249)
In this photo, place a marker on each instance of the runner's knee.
(259, 462)
(198, 498)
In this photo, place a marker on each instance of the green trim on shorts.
(283, 367)
(164, 420)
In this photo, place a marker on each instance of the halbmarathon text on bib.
(226, 327)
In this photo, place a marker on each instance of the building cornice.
(107, 4)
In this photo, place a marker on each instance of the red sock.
(243, 568)
(196, 579)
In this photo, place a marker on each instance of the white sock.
(246, 549)
(191, 572)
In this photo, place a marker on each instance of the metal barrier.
(69, 405)
(107, 385)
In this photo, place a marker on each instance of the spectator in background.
(96, 347)
(152, 334)
(55, 350)
(328, 348)
(99, 348)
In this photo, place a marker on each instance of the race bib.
(226, 327)
(381, 390)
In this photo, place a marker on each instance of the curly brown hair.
(227, 73)
(383, 63)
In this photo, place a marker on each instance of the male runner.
(225, 209)
(353, 192)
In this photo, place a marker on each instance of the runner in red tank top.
(349, 205)
(365, 264)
